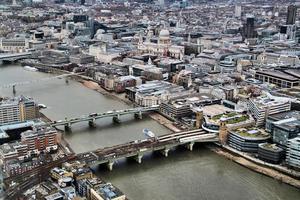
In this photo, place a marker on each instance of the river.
(200, 174)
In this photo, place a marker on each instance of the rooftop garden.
(251, 133)
(228, 115)
(235, 120)
(231, 118)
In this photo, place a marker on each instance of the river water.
(197, 175)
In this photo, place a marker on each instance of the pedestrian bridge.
(14, 56)
(115, 115)
(136, 149)
(13, 85)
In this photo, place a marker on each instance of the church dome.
(164, 33)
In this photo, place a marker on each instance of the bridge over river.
(136, 149)
(14, 56)
(115, 115)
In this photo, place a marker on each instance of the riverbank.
(95, 86)
(275, 174)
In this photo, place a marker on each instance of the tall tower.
(223, 132)
(291, 14)
(14, 2)
(199, 115)
(238, 11)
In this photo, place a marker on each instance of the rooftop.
(270, 147)
(285, 115)
(251, 133)
(216, 109)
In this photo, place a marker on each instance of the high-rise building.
(17, 110)
(238, 11)
(249, 28)
(291, 14)
(161, 3)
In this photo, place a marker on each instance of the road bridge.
(14, 56)
(115, 115)
(136, 149)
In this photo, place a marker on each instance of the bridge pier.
(14, 89)
(190, 146)
(116, 119)
(139, 158)
(138, 115)
(110, 165)
(165, 152)
(92, 123)
(68, 127)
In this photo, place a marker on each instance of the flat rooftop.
(278, 74)
(285, 115)
(215, 109)
(251, 133)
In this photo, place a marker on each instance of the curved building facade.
(247, 140)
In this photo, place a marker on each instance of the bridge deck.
(134, 148)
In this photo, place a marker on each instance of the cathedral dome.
(164, 33)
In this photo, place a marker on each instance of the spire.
(150, 61)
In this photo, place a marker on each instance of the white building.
(163, 47)
(265, 105)
(14, 45)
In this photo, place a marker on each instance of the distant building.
(164, 46)
(291, 14)
(279, 78)
(82, 59)
(155, 92)
(249, 28)
(15, 45)
(238, 11)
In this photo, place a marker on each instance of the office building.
(291, 14)
(249, 28)
(293, 153)
(18, 109)
(284, 130)
(247, 140)
(181, 107)
(270, 153)
(263, 106)
(282, 79)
